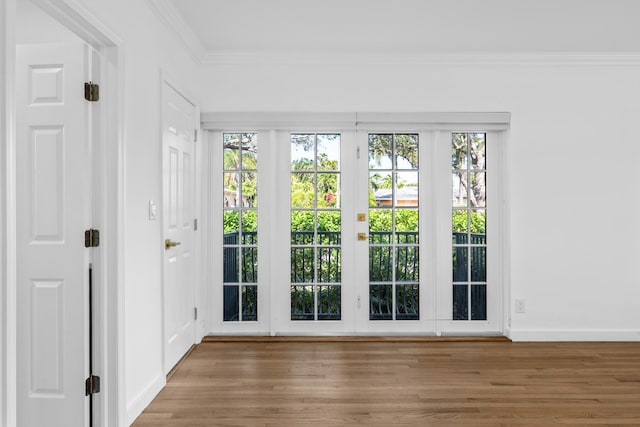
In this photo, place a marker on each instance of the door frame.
(108, 209)
(497, 307)
(431, 126)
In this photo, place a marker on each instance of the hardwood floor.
(393, 383)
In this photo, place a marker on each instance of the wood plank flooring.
(401, 383)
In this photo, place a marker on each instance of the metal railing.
(466, 248)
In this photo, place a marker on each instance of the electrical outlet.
(520, 306)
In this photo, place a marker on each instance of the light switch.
(153, 210)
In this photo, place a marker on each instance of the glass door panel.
(316, 230)
(394, 237)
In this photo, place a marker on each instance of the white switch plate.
(520, 306)
(153, 210)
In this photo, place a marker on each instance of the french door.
(395, 199)
(360, 232)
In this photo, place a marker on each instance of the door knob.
(169, 244)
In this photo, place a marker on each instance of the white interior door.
(54, 210)
(178, 147)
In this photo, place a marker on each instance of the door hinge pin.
(195, 313)
(195, 135)
(195, 224)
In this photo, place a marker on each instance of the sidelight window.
(469, 213)
(240, 224)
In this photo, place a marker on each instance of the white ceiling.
(409, 26)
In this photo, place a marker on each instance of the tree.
(240, 155)
(467, 157)
(403, 146)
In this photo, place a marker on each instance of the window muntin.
(394, 262)
(316, 252)
(469, 238)
(240, 226)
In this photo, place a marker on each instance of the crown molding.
(172, 19)
(631, 59)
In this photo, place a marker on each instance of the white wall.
(149, 47)
(3, 268)
(33, 25)
(7, 252)
(572, 153)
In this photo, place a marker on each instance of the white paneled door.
(178, 135)
(54, 210)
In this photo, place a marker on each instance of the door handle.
(168, 244)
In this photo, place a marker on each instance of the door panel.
(178, 183)
(316, 227)
(395, 180)
(54, 209)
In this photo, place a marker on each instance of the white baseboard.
(574, 334)
(144, 398)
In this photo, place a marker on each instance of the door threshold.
(352, 338)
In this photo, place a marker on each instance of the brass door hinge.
(91, 238)
(92, 385)
(91, 92)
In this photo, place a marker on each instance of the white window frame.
(434, 130)
(497, 311)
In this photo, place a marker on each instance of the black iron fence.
(469, 264)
